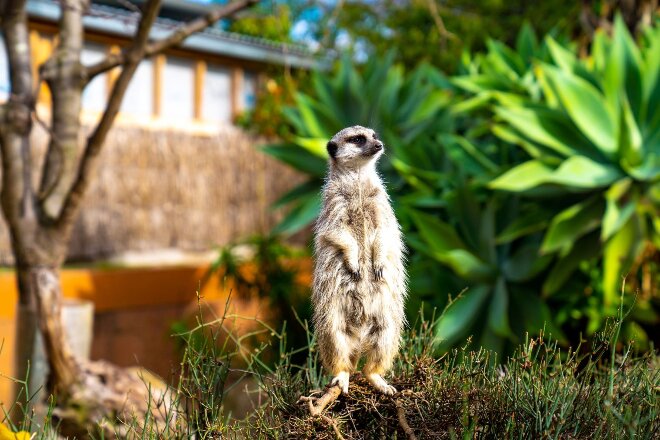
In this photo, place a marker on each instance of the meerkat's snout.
(375, 148)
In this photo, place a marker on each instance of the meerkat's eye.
(360, 139)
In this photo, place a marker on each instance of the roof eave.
(220, 43)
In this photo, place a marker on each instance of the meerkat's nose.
(379, 145)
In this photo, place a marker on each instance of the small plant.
(265, 267)
(26, 415)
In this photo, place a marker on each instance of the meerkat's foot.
(377, 381)
(341, 380)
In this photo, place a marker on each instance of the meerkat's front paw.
(377, 381)
(378, 271)
(341, 380)
(354, 270)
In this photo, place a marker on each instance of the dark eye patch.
(360, 139)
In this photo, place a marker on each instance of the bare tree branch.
(16, 37)
(63, 71)
(17, 192)
(175, 38)
(439, 24)
(403, 422)
(135, 54)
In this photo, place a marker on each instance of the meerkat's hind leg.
(337, 359)
(380, 357)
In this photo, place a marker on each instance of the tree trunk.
(92, 396)
(42, 283)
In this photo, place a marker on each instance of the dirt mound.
(424, 408)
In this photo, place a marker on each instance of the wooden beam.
(200, 73)
(41, 48)
(34, 49)
(236, 91)
(159, 67)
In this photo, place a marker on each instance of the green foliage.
(267, 20)
(437, 32)
(593, 140)
(501, 304)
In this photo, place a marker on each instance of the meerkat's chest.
(362, 210)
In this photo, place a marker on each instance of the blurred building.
(212, 77)
(175, 173)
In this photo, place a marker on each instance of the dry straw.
(158, 189)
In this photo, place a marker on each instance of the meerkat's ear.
(332, 149)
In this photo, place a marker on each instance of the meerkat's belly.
(364, 300)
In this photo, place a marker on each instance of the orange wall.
(134, 310)
(117, 288)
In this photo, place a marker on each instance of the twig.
(333, 424)
(401, 415)
(315, 409)
(439, 23)
(130, 6)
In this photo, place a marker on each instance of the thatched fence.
(158, 189)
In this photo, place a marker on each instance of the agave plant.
(593, 137)
(407, 109)
(502, 70)
(496, 257)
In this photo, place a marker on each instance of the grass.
(542, 391)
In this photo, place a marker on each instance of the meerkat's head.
(354, 147)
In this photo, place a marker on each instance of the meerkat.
(359, 283)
